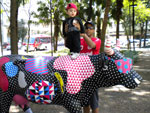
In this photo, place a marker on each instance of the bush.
(131, 54)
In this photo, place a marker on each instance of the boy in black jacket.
(72, 33)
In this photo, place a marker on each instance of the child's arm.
(88, 40)
(64, 28)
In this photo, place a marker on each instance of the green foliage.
(134, 55)
(22, 30)
(22, 2)
(142, 13)
(43, 14)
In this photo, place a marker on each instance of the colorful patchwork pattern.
(77, 70)
(123, 65)
(41, 92)
(3, 78)
(37, 65)
(11, 69)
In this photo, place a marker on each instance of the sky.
(24, 10)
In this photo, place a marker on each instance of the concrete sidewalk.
(116, 99)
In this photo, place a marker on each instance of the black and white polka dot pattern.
(106, 74)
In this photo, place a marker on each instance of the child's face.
(72, 12)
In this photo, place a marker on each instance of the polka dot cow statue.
(61, 80)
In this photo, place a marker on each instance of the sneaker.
(74, 55)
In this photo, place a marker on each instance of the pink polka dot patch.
(77, 70)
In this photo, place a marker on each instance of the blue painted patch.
(119, 63)
(130, 61)
(11, 69)
(125, 59)
(106, 57)
(120, 70)
(126, 66)
(127, 72)
(113, 60)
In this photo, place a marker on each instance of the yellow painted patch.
(59, 78)
(23, 57)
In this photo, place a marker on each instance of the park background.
(127, 20)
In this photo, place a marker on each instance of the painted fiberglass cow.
(61, 80)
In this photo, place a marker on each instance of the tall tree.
(118, 15)
(90, 10)
(108, 3)
(13, 26)
(57, 13)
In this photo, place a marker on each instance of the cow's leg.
(5, 101)
(72, 105)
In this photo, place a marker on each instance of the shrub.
(131, 54)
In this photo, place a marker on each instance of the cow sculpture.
(61, 80)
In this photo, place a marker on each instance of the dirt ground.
(116, 99)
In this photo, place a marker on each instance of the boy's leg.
(94, 102)
(68, 42)
(86, 109)
(76, 42)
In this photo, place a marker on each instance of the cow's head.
(118, 70)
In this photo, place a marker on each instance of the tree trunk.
(118, 19)
(98, 25)
(13, 27)
(1, 44)
(127, 33)
(56, 29)
(142, 35)
(90, 10)
(145, 33)
(108, 3)
(118, 15)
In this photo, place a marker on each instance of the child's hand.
(76, 24)
(82, 34)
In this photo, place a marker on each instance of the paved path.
(115, 99)
(119, 100)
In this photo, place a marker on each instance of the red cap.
(71, 5)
